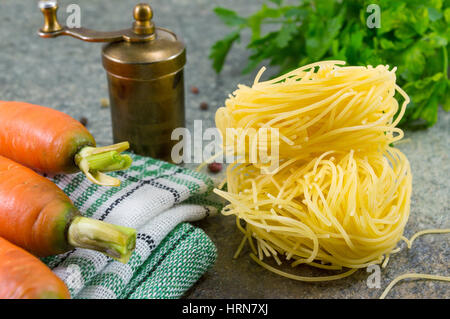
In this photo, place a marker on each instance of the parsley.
(413, 36)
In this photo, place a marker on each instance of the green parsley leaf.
(229, 17)
(220, 50)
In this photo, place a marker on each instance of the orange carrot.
(23, 276)
(37, 216)
(50, 141)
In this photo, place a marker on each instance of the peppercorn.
(215, 167)
(84, 121)
(194, 90)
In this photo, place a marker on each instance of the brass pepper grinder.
(144, 66)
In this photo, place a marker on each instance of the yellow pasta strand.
(415, 276)
(302, 278)
(409, 242)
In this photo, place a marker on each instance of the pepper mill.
(144, 66)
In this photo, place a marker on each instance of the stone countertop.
(67, 74)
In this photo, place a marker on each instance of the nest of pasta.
(317, 108)
(340, 196)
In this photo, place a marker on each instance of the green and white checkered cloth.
(157, 199)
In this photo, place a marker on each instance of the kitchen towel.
(154, 197)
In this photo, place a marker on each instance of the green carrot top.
(94, 161)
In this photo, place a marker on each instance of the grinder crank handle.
(143, 28)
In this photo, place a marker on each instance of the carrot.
(37, 216)
(23, 276)
(50, 141)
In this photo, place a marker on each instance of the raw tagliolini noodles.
(318, 107)
(340, 197)
(337, 210)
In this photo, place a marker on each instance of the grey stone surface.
(66, 74)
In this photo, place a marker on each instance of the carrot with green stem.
(23, 276)
(37, 216)
(52, 142)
